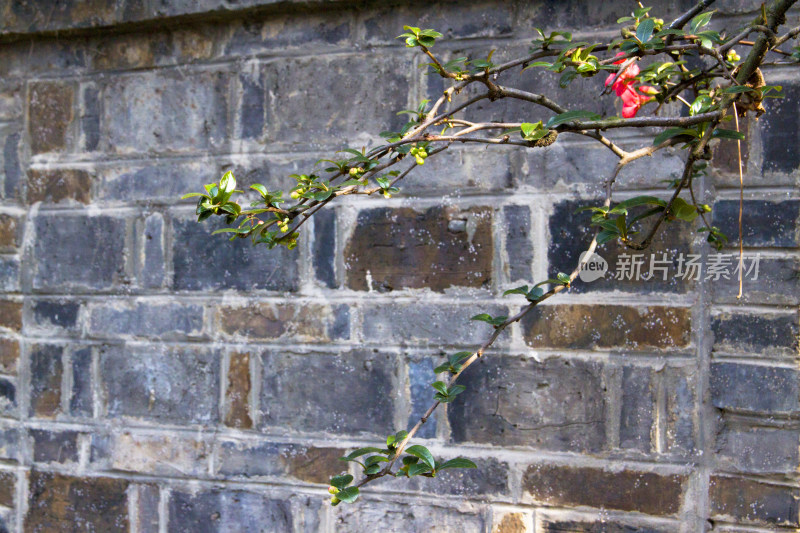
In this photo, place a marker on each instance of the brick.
(777, 282)
(490, 478)
(753, 502)
(164, 455)
(455, 172)
(627, 490)
(50, 115)
(10, 231)
(58, 315)
(237, 393)
(380, 516)
(725, 158)
(131, 51)
(681, 388)
(420, 376)
(779, 131)
(205, 262)
(22, 18)
(427, 324)
(179, 384)
(9, 273)
(607, 326)
(254, 115)
(91, 111)
(302, 322)
(54, 186)
(8, 481)
(11, 315)
(343, 393)
(769, 335)
(290, 30)
(324, 250)
(265, 459)
(601, 526)
(195, 42)
(557, 404)
(636, 417)
(46, 377)
(153, 273)
(55, 446)
(436, 248)
(142, 319)
(8, 397)
(165, 181)
(10, 99)
(146, 509)
(764, 223)
(9, 355)
(752, 388)
(78, 252)
(97, 504)
(157, 121)
(511, 522)
(758, 450)
(518, 246)
(81, 397)
(570, 235)
(12, 168)
(347, 79)
(228, 510)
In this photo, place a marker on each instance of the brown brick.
(9, 355)
(11, 315)
(128, 51)
(8, 482)
(749, 501)
(57, 185)
(315, 465)
(9, 231)
(645, 492)
(309, 323)
(46, 374)
(50, 113)
(511, 523)
(435, 248)
(237, 414)
(89, 504)
(607, 326)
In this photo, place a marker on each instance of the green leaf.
(193, 194)
(260, 189)
(440, 386)
(639, 12)
(417, 469)
(606, 236)
(564, 82)
(645, 30)
(423, 453)
(348, 495)
(227, 183)
(537, 64)
(375, 459)
(624, 19)
(455, 390)
(563, 278)
(720, 133)
(700, 20)
(458, 357)
(359, 452)
(242, 231)
(683, 210)
(535, 294)
(519, 290)
(321, 196)
(371, 470)
(672, 132)
(458, 462)
(341, 481)
(483, 317)
(570, 116)
(640, 200)
(391, 440)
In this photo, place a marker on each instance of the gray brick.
(179, 385)
(81, 401)
(142, 319)
(58, 315)
(513, 401)
(9, 156)
(10, 443)
(637, 408)
(490, 478)
(325, 247)
(519, 248)
(265, 459)
(312, 29)
(153, 273)
(11, 92)
(156, 120)
(420, 377)
(757, 450)
(227, 510)
(457, 172)
(752, 388)
(600, 526)
(419, 323)
(777, 283)
(73, 252)
(55, 446)
(8, 397)
(205, 262)
(92, 110)
(9, 273)
(155, 182)
(764, 223)
(305, 323)
(680, 385)
(769, 334)
(380, 516)
(253, 106)
(177, 455)
(752, 502)
(780, 130)
(347, 393)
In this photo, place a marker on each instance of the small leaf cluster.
(417, 37)
(453, 364)
(445, 393)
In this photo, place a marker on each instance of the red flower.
(624, 86)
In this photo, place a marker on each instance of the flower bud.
(333, 490)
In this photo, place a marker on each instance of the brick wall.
(149, 383)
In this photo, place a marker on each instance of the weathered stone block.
(518, 245)
(144, 319)
(81, 397)
(97, 503)
(780, 130)
(436, 248)
(204, 262)
(309, 464)
(8, 397)
(56, 315)
(253, 112)
(752, 388)
(8, 482)
(301, 322)
(78, 252)
(164, 455)
(764, 223)
(420, 376)
(178, 385)
(753, 502)
(290, 30)
(455, 172)
(228, 510)
(680, 385)
(55, 446)
(9, 273)
(54, 186)
(426, 323)
(490, 478)
(50, 115)
(757, 450)
(325, 247)
(153, 266)
(10, 443)
(766, 280)
(770, 335)
(165, 181)
(91, 111)
(379, 516)
(10, 231)
(46, 371)
(600, 526)
(237, 394)
(558, 404)
(157, 120)
(9, 355)
(627, 490)
(11, 315)
(636, 416)
(608, 326)
(341, 393)
(12, 169)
